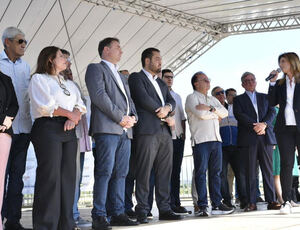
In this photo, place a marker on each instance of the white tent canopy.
(182, 29)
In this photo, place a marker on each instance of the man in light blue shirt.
(18, 70)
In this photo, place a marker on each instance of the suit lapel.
(250, 104)
(112, 75)
(151, 85)
(296, 93)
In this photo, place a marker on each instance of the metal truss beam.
(161, 14)
(263, 25)
(207, 41)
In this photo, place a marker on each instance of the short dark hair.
(165, 71)
(65, 52)
(213, 90)
(148, 53)
(194, 78)
(105, 42)
(228, 90)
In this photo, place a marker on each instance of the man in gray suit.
(112, 116)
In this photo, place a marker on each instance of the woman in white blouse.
(56, 108)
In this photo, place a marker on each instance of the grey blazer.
(108, 103)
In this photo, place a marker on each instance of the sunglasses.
(21, 41)
(168, 77)
(220, 92)
(64, 88)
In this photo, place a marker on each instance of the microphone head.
(278, 70)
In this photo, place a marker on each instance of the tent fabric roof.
(182, 29)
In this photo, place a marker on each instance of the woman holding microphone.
(56, 108)
(286, 93)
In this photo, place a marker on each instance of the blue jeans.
(208, 156)
(111, 168)
(76, 212)
(178, 147)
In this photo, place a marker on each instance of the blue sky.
(231, 57)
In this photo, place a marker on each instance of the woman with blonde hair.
(56, 108)
(286, 93)
(8, 110)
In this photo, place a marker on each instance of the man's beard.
(154, 70)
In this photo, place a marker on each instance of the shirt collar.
(288, 79)
(201, 94)
(111, 65)
(149, 75)
(250, 94)
(3, 56)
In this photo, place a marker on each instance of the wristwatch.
(212, 109)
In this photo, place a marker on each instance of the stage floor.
(261, 219)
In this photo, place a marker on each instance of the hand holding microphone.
(273, 75)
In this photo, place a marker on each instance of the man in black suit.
(152, 134)
(256, 139)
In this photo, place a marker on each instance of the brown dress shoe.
(273, 206)
(250, 208)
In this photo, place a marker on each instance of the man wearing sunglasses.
(204, 112)
(11, 64)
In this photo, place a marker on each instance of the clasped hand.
(6, 123)
(128, 121)
(163, 112)
(259, 128)
(75, 116)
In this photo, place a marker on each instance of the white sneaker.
(286, 208)
(294, 204)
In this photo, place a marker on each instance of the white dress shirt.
(19, 72)
(204, 125)
(289, 111)
(179, 116)
(156, 86)
(46, 95)
(252, 96)
(114, 70)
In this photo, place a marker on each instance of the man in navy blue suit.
(255, 139)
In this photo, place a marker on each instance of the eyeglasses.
(205, 80)
(64, 88)
(168, 77)
(249, 80)
(20, 41)
(220, 92)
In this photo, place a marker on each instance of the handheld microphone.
(272, 75)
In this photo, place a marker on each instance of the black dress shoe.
(170, 215)
(122, 220)
(101, 223)
(14, 226)
(142, 218)
(130, 213)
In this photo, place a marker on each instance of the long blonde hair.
(294, 61)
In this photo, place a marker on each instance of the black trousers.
(264, 154)
(55, 151)
(287, 141)
(16, 165)
(232, 156)
(154, 151)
